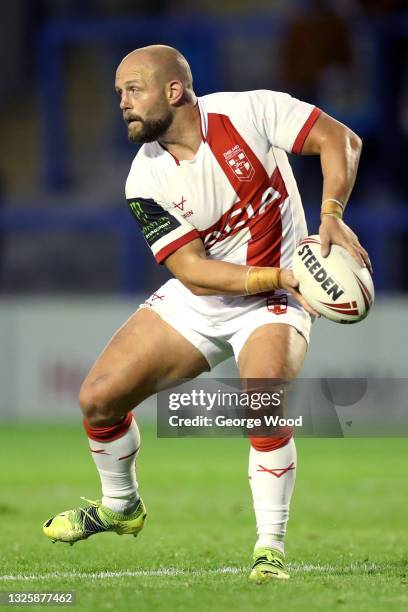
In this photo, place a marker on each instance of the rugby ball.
(336, 286)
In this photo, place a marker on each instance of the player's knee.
(96, 404)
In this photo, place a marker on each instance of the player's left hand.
(290, 284)
(333, 230)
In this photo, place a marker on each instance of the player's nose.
(124, 102)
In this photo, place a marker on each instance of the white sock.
(272, 477)
(115, 462)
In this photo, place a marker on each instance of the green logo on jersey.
(137, 210)
(154, 221)
(150, 227)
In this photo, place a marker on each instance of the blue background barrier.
(217, 48)
(200, 39)
(373, 228)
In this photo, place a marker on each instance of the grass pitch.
(346, 544)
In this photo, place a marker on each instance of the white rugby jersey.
(238, 194)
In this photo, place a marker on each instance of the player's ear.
(175, 92)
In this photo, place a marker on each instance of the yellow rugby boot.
(78, 524)
(269, 564)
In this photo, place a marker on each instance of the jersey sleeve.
(163, 228)
(283, 120)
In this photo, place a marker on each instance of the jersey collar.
(203, 130)
(203, 119)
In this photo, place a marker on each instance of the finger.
(293, 282)
(325, 245)
(366, 259)
(305, 305)
(288, 279)
(367, 263)
(360, 259)
(356, 254)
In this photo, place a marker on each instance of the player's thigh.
(143, 351)
(275, 350)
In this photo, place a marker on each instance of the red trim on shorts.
(301, 137)
(176, 244)
(268, 444)
(260, 216)
(111, 433)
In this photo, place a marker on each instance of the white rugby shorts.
(219, 326)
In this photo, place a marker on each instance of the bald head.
(160, 62)
(154, 84)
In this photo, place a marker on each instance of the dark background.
(64, 156)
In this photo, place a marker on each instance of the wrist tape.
(260, 280)
(332, 207)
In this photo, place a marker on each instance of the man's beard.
(151, 129)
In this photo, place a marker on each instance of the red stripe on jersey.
(228, 224)
(259, 195)
(301, 137)
(264, 247)
(176, 244)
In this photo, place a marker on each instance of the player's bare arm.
(339, 149)
(204, 276)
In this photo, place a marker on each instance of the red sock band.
(108, 434)
(269, 444)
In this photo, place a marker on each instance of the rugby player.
(214, 195)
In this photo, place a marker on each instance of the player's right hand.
(290, 284)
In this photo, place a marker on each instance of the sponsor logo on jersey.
(327, 283)
(239, 163)
(241, 215)
(153, 298)
(137, 209)
(180, 206)
(153, 220)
